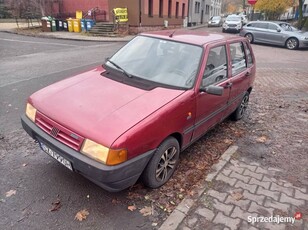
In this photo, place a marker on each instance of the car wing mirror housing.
(212, 89)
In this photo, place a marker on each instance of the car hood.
(97, 107)
(233, 22)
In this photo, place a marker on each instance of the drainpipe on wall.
(140, 13)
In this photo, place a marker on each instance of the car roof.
(199, 38)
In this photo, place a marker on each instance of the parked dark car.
(131, 117)
(275, 33)
(215, 21)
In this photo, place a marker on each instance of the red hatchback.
(133, 116)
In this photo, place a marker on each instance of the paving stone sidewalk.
(238, 192)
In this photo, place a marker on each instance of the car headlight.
(30, 112)
(103, 154)
(304, 38)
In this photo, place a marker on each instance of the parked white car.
(233, 23)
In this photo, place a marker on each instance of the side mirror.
(278, 30)
(213, 89)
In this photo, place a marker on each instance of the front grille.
(59, 132)
(232, 25)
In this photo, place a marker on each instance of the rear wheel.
(240, 110)
(249, 37)
(163, 163)
(292, 43)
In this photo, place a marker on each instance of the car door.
(260, 32)
(274, 34)
(214, 72)
(240, 62)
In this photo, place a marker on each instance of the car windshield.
(234, 18)
(157, 60)
(216, 18)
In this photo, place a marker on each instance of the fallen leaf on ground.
(228, 141)
(82, 215)
(261, 139)
(131, 208)
(237, 196)
(56, 205)
(10, 193)
(146, 211)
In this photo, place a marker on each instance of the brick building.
(142, 14)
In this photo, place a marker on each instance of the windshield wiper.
(120, 68)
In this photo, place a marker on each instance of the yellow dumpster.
(77, 26)
(70, 24)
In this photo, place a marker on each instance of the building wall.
(71, 6)
(199, 11)
(140, 20)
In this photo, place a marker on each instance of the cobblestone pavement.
(236, 193)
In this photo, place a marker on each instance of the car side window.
(237, 58)
(261, 25)
(216, 66)
(248, 55)
(272, 27)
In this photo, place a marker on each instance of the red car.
(153, 98)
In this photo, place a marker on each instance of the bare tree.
(300, 14)
(26, 8)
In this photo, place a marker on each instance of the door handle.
(228, 85)
(247, 74)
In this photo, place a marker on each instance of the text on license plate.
(56, 156)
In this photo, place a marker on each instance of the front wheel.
(163, 163)
(240, 110)
(292, 43)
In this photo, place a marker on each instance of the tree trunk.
(300, 14)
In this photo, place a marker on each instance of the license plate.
(56, 156)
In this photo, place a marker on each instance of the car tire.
(292, 43)
(250, 38)
(240, 110)
(223, 30)
(163, 163)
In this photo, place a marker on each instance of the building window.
(197, 7)
(207, 9)
(177, 9)
(150, 8)
(183, 10)
(169, 8)
(161, 8)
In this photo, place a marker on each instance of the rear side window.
(248, 55)
(261, 25)
(237, 58)
(216, 66)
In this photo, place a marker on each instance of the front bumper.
(303, 44)
(111, 178)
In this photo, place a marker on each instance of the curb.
(181, 211)
(67, 38)
(104, 39)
